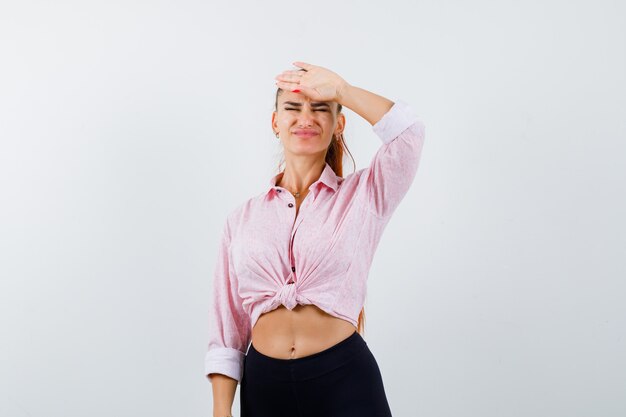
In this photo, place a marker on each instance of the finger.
(288, 86)
(289, 77)
(307, 91)
(303, 65)
(291, 72)
(296, 88)
(299, 72)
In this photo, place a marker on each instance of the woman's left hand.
(314, 81)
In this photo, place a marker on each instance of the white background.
(129, 129)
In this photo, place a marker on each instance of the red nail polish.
(295, 91)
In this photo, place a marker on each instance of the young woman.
(290, 282)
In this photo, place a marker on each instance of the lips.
(305, 133)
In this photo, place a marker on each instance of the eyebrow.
(313, 104)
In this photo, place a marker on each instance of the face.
(306, 126)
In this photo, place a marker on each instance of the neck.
(299, 177)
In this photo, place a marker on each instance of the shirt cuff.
(399, 117)
(225, 361)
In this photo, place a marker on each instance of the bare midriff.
(303, 331)
(290, 334)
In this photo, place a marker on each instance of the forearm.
(366, 104)
(224, 389)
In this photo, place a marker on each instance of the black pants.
(341, 381)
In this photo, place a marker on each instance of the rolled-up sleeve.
(229, 325)
(394, 166)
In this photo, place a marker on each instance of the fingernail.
(295, 91)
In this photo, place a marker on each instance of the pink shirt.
(268, 256)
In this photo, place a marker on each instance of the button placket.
(296, 223)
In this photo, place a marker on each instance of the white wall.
(129, 129)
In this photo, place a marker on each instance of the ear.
(274, 125)
(341, 123)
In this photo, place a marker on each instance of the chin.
(304, 149)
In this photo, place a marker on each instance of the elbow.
(226, 361)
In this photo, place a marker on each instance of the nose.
(305, 117)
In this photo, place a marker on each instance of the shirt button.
(293, 269)
(290, 204)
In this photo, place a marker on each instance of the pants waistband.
(265, 368)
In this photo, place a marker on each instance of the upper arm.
(394, 166)
(229, 324)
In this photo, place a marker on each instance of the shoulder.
(352, 180)
(242, 211)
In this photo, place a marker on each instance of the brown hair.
(334, 158)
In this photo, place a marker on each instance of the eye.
(324, 110)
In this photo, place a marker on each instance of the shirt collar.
(328, 177)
